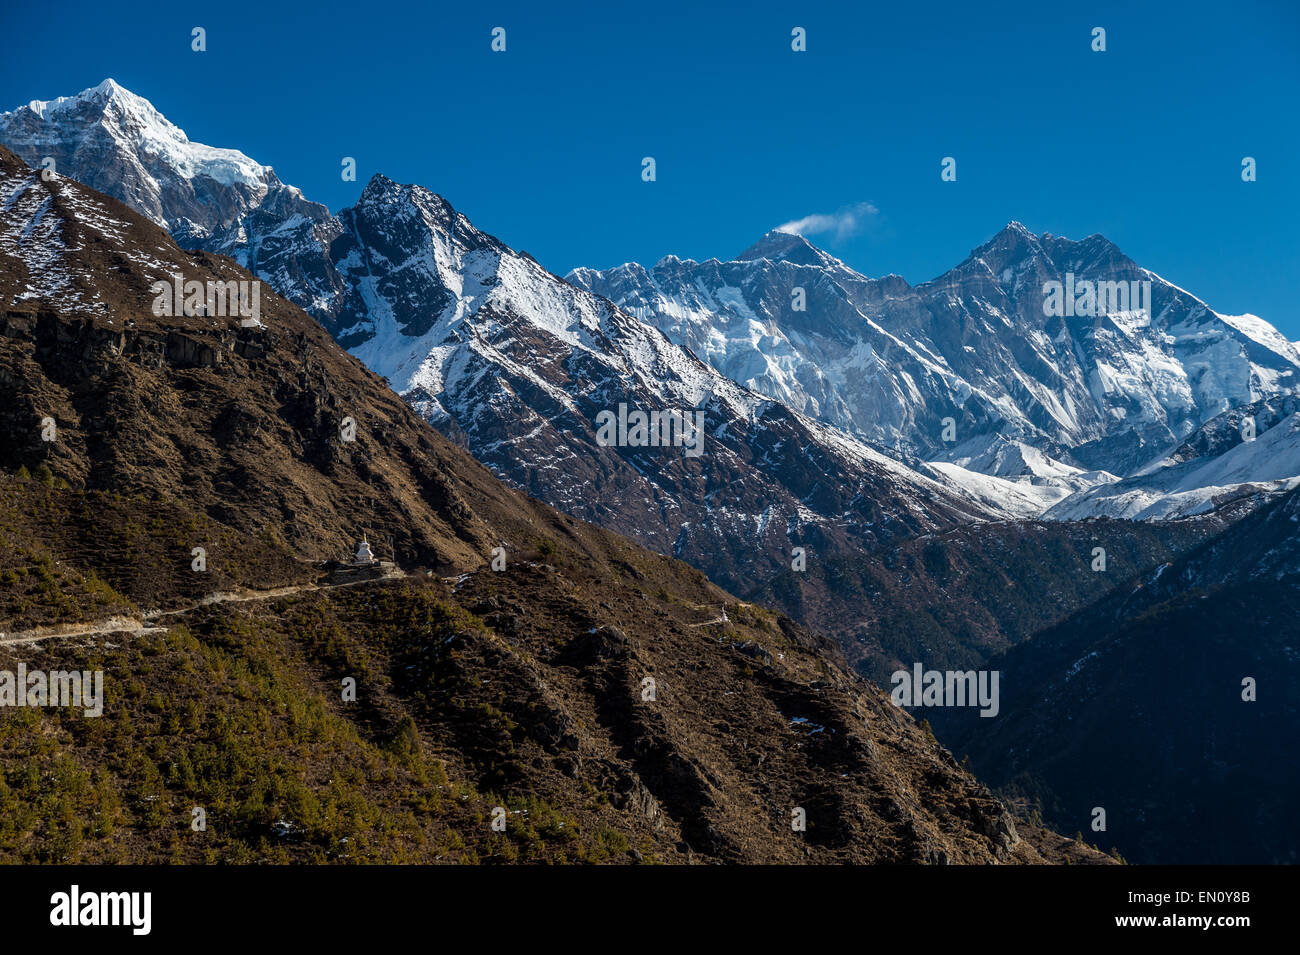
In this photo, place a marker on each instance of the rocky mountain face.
(521, 692)
(1202, 655)
(1099, 386)
(520, 367)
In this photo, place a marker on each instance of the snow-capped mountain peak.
(114, 140)
(110, 96)
(777, 246)
(208, 197)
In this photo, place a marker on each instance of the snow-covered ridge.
(1017, 475)
(890, 362)
(1251, 466)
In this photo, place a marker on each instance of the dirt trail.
(141, 625)
(131, 625)
(709, 623)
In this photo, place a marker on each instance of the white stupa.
(364, 556)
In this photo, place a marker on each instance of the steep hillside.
(524, 688)
(521, 690)
(952, 600)
(1212, 776)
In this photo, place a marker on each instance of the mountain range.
(515, 364)
(888, 361)
(410, 286)
(923, 473)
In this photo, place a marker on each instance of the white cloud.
(844, 222)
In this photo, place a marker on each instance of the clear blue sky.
(542, 145)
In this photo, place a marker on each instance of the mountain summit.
(207, 197)
(113, 140)
(779, 246)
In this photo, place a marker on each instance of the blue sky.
(542, 145)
